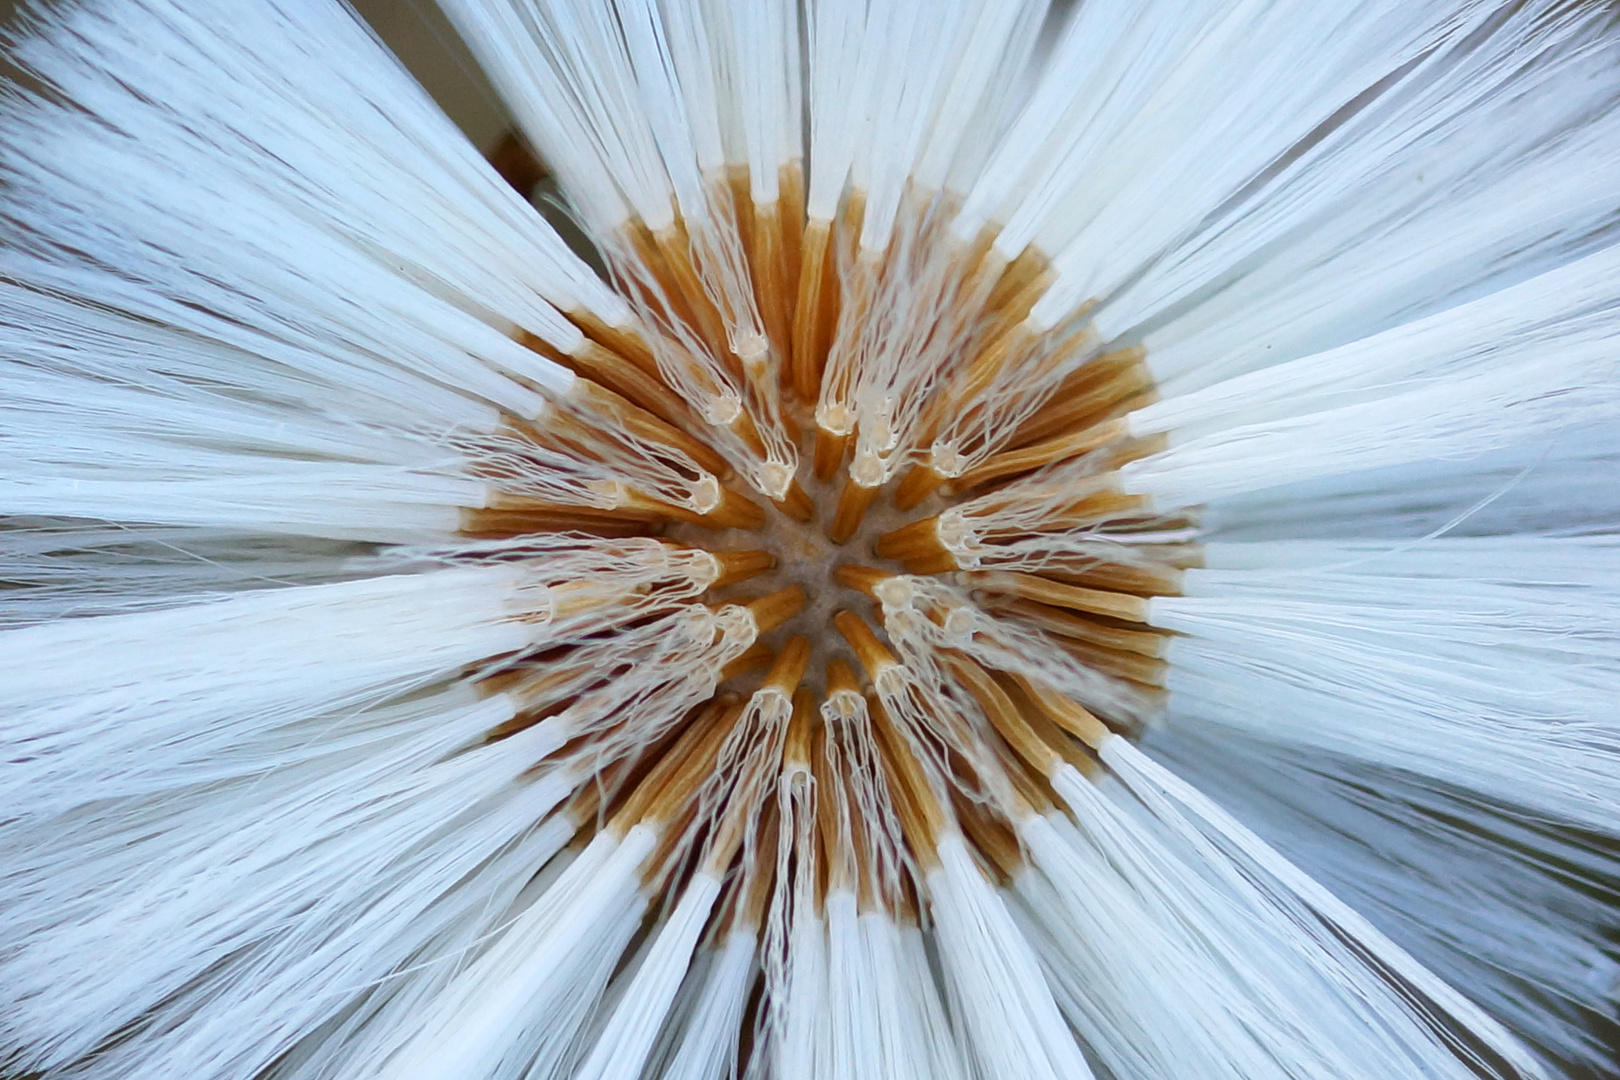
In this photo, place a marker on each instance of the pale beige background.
(421, 37)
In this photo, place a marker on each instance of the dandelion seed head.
(1068, 538)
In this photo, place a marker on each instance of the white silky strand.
(1466, 886)
(132, 476)
(1331, 54)
(1107, 57)
(898, 1051)
(877, 1003)
(1526, 364)
(102, 712)
(1483, 662)
(624, 1043)
(852, 1045)
(473, 916)
(997, 991)
(838, 76)
(73, 569)
(283, 365)
(794, 952)
(1129, 981)
(320, 109)
(1221, 838)
(517, 1009)
(1555, 487)
(357, 853)
(602, 145)
(1307, 1001)
(945, 1049)
(755, 49)
(111, 417)
(708, 1042)
(1571, 309)
(914, 317)
(1565, 388)
(1525, 561)
(221, 243)
(1451, 99)
(995, 46)
(245, 256)
(1404, 250)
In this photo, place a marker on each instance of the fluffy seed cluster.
(1080, 541)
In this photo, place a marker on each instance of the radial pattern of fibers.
(1074, 540)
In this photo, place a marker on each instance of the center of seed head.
(807, 556)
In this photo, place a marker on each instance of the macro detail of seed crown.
(1021, 540)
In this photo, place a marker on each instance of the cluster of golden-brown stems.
(927, 661)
